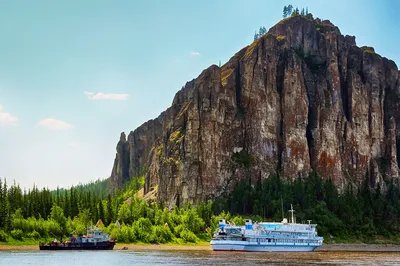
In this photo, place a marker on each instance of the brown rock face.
(303, 97)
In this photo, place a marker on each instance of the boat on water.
(93, 240)
(267, 236)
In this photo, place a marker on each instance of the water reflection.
(166, 258)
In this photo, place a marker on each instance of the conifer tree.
(285, 12)
(262, 31)
(110, 213)
(74, 202)
(255, 36)
(289, 10)
(2, 224)
(67, 204)
(4, 205)
(101, 211)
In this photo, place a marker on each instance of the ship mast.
(292, 211)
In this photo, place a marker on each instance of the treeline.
(359, 213)
(41, 214)
(288, 11)
(39, 202)
(98, 187)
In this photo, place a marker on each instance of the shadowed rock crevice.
(280, 75)
(238, 91)
(398, 150)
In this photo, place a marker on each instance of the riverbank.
(204, 246)
(360, 247)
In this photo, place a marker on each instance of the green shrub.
(115, 233)
(33, 235)
(127, 235)
(192, 221)
(242, 159)
(238, 220)
(143, 229)
(3, 236)
(205, 236)
(53, 228)
(188, 236)
(162, 234)
(40, 227)
(17, 234)
(178, 229)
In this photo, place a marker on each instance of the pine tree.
(289, 10)
(4, 206)
(262, 31)
(255, 36)
(74, 202)
(93, 208)
(2, 224)
(67, 205)
(58, 197)
(101, 211)
(303, 13)
(285, 12)
(110, 213)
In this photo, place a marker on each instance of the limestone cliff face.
(303, 97)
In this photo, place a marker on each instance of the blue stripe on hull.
(263, 248)
(221, 246)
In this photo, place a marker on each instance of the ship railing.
(289, 230)
(282, 233)
(283, 238)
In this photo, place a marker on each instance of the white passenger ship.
(266, 236)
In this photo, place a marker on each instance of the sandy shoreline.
(120, 246)
(360, 247)
(202, 247)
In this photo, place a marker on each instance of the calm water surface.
(122, 258)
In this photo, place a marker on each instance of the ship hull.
(226, 245)
(80, 246)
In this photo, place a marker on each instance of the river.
(128, 257)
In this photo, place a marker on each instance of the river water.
(122, 258)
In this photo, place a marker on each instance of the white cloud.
(7, 118)
(195, 53)
(52, 123)
(73, 144)
(106, 96)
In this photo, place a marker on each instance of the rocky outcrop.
(303, 97)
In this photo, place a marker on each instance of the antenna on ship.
(283, 217)
(292, 211)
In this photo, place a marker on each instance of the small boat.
(93, 240)
(267, 237)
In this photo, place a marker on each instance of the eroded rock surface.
(303, 97)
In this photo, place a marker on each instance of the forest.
(358, 214)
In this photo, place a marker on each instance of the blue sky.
(74, 74)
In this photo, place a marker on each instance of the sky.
(75, 74)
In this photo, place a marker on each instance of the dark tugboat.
(93, 240)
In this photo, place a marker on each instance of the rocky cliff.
(303, 97)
